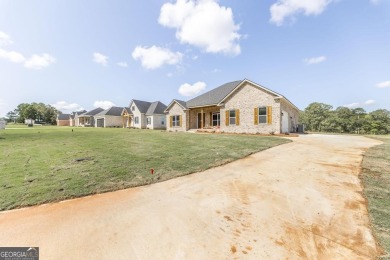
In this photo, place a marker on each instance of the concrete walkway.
(298, 200)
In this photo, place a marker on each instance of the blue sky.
(82, 54)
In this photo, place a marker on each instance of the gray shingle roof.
(112, 111)
(78, 113)
(128, 110)
(142, 105)
(156, 108)
(63, 116)
(213, 96)
(182, 103)
(93, 112)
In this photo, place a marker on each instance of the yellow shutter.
(170, 121)
(237, 116)
(269, 115)
(256, 115)
(227, 117)
(180, 119)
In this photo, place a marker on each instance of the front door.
(200, 120)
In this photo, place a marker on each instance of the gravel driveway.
(298, 200)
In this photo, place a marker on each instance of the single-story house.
(73, 120)
(143, 114)
(87, 118)
(236, 107)
(63, 119)
(111, 117)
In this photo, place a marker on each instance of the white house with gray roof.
(111, 117)
(143, 114)
(236, 107)
(87, 118)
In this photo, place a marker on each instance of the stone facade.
(245, 100)
(177, 110)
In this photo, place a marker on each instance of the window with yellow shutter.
(264, 115)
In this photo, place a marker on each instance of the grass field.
(44, 164)
(376, 180)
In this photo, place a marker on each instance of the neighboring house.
(127, 117)
(73, 120)
(236, 107)
(63, 120)
(155, 116)
(143, 114)
(111, 117)
(87, 118)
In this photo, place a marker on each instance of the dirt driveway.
(298, 200)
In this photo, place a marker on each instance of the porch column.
(123, 121)
(201, 118)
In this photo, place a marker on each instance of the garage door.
(100, 122)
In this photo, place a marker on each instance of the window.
(232, 117)
(162, 122)
(136, 120)
(175, 121)
(216, 119)
(132, 108)
(148, 121)
(262, 115)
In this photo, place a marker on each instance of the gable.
(249, 93)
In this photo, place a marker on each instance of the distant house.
(63, 120)
(127, 117)
(111, 117)
(143, 114)
(73, 120)
(88, 118)
(236, 107)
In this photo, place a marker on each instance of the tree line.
(39, 112)
(322, 117)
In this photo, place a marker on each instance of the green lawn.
(376, 180)
(42, 164)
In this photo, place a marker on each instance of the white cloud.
(122, 64)
(67, 107)
(34, 62)
(100, 58)
(289, 8)
(375, 2)
(103, 104)
(384, 84)
(5, 39)
(314, 60)
(39, 61)
(188, 90)
(155, 57)
(204, 24)
(12, 56)
(362, 104)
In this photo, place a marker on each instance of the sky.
(82, 54)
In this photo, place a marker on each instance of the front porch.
(127, 119)
(85, 121)
(205, 118)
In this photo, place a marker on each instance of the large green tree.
(36, 111)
